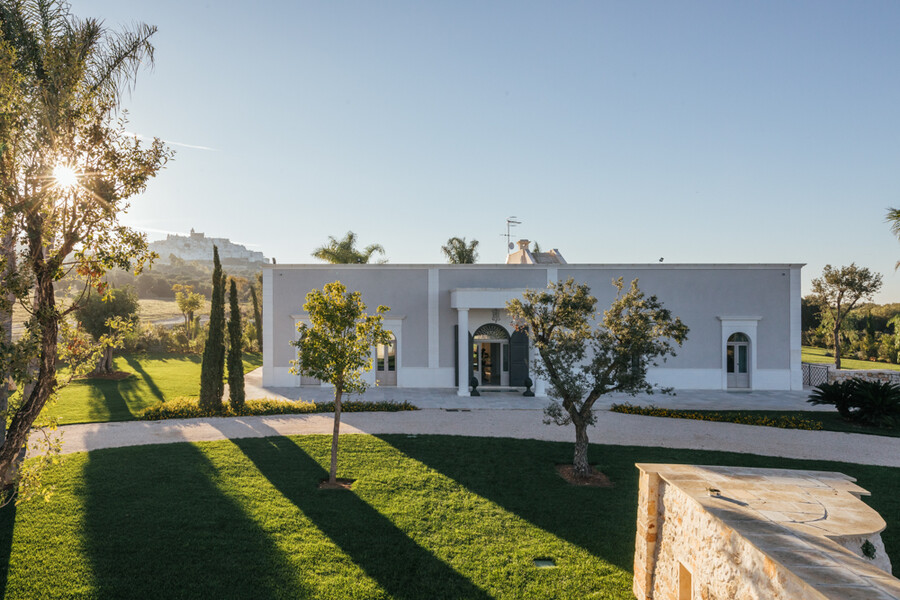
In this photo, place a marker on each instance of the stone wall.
(715, 533)
(844, 374)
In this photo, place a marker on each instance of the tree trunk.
(332, 474)
(105, 362)
(580, 462)
(45, 382)
(837, 345)
(7, 247)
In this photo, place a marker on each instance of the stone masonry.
(726, 533)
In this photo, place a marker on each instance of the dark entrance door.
(491, 366)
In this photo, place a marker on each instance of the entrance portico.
(497, 362)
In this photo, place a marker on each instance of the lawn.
(155, 378)
(809, 354)
(153, 310)
(428, 517)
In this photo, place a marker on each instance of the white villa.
(744, 319)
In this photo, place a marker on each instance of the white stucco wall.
(761, 301)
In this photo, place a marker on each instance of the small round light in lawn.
(65, 176)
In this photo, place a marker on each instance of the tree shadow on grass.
(403, 568)
(157, 526)
(107, 402)
(520, 476)
(139, 369)
(7, 528)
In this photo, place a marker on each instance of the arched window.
(738, 337)
(491, 331)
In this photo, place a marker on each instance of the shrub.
(839, 394)
(189, 408)
(876, 403)
(872, 403)
(781, 421)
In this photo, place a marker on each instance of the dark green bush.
(876, 403)
(872, 403)
(839, 394)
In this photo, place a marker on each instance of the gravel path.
(611, 428)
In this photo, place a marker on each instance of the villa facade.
(744, 320)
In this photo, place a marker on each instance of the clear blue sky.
(616, 131)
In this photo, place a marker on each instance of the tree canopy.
(336, 346)
(582, 360)
(103, 316)
(459, 252)
(837, 291)
(188, 302)
(67, 170)
(344, 251)
(893, 217)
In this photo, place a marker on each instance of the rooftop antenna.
(510, 223)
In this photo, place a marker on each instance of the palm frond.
(117, 64)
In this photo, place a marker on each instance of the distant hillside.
(198, 247)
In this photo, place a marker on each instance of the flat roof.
(638, 266)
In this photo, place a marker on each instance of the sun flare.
(65, 176)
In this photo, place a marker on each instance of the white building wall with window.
(744, 320)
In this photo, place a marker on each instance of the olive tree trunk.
(580, 461)
(332, 474)
(837, 345)
(105, 362)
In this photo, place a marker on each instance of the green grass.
(155, 378)
(153, 310)
(809, 354)
(428, 517)
(829, 420)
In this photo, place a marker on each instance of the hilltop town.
(197, 246)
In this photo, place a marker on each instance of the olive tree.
(188, 302)
(67, 170)
(336, 346)
(582, 359)
(104, 316)
(837, 291)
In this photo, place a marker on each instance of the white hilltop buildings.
(197, 246)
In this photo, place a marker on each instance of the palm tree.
(344, 252)
(61, 80)
(893, 217)
(458, 252)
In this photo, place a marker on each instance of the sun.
(65, 176)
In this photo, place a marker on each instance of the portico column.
(465, 351)
(540, 386)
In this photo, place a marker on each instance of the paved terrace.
(512, 416)
(446, 398)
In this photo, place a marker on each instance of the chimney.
(523, 244)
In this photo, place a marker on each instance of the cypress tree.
(212, 369)
(235, 357)
(257, 309)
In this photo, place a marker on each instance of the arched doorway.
(386, 363)
(490, 358)
(737, 361)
